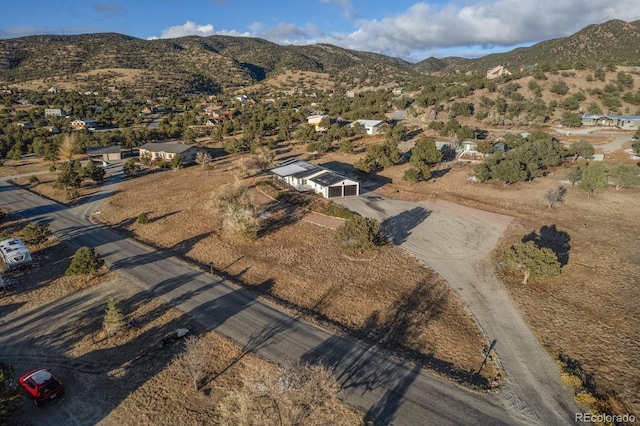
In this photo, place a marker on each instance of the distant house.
(166, 151)
(52, 90)
(219, 112)
(52, 129)
(398, 91)
(497, 72)
(304, 176)
(315, 120)
(350, 94)
(210, 122)
(371, 127)
(626, 122)
(25, 124)
(104, 153)
(85, 123)
(54, 112)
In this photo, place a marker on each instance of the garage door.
(335, 191)
(350, 190)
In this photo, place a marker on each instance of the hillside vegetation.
(216, 63)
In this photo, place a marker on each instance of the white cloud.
(467, 27)
(505, 23)
(186, 29)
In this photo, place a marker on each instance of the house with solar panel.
(305, 177)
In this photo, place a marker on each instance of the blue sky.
(412, 30)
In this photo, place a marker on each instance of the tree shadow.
(550, 237)
(440, 172)
(384, 411)
(399, 227)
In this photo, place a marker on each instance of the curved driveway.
(455, 241)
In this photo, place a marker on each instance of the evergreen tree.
(85, 261)
(533, 261)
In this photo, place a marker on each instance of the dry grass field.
(297, 264)
(590, 314)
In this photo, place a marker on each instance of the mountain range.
(218, 62)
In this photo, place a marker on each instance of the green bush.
(85, 261)
(143, 219)
(360, 234)
(33, 180)
(35, 233)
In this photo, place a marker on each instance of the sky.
(408, 29)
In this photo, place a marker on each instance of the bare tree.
(204, 160)
(555, 195)
(239, 210)
(70, 146)
(194, 359)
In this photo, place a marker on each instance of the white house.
(304, 176)
(166, 151)
(86, 123)
(627, 122)
(371, 127)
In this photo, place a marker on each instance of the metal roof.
(97, 150)
(175, 148)
(369, 123)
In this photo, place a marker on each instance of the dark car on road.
(41, 385)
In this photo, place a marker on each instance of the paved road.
(455, 241)
(388, 390)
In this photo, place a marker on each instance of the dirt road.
(455, 241)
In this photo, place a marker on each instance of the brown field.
(590, 314)
(298, 264)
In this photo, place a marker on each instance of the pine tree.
(113, 321)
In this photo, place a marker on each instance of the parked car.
(41, 385)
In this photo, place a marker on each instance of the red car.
(41, 385)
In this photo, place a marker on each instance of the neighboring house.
(314, 120)
(15, 254)
(497, 72)
(627, 122)
(52, 129)
(25, 124)
(85, 123)
(371, 127)
(219, 112)
(104, 153)
(54, 112)
(304, 176)
(166, 151)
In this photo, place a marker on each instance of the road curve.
(455, 241)
(389, 390)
